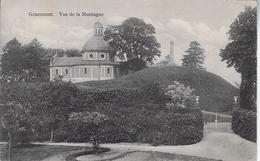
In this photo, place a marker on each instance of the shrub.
(180, 96)
(130, 115)
(244, 124)
(155, 92)
(168, 127)
(140, 123)
(89, 121)
(179, 128)
(112, 95)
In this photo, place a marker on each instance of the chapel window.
(85, 70)
(102, 56)
(57, 71)
(108, 70)
(66, 71)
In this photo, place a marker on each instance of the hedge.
(134, 116)
(244, 124)
(143, 126)
(96, 96)
(180, 128)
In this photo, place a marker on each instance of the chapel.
(96, 63)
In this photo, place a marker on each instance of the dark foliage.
(25, 62)
(144, 124)
(95, 96)
(244, 124)
(240, 53)
(134, 43)
(134, 115)
(16, 108)
(194, 57)
(216, 94)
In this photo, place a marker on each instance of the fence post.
(216, 120)
(197, 102)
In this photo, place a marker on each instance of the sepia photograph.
(128, 80)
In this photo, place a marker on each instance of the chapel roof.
(96, 41)
(77, 61)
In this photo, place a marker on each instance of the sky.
(183, 21)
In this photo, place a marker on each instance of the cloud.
(115, 20)
(197, 31)
(49, 33)
(159, 26)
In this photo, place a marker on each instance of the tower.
(98, 29)
(171, 53)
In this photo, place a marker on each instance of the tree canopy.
(240, 53)
(11, 59)
(30, 62)
(24, 62)
(134, 42)
(194, 57)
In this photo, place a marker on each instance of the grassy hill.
(216, 94)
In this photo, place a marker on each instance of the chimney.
(171, 53)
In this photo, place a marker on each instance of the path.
(217, 143)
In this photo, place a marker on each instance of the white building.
(97, 61)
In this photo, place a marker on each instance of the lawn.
(35, 152)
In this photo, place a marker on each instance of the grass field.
(216, 94)
(34, 152)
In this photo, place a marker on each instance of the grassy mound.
(216, 94)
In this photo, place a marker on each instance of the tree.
(16, 105)
(12, 64)
(72, 53)
(35, 66)
(50, 53)
(195, 57)
(240, 53)
(58, 99)
(26, 62)
(134, 43)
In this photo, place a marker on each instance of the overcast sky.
(182, 21)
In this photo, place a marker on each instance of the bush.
(111, 95)
(139, 124)
(180, 128)
(155, 92)
(244, 124)
(180, 96)
(89, 121)
(134, 115)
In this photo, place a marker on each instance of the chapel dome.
(96, 41)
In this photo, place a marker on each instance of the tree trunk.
(52, 133)
(248, 87)
(10, 142)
